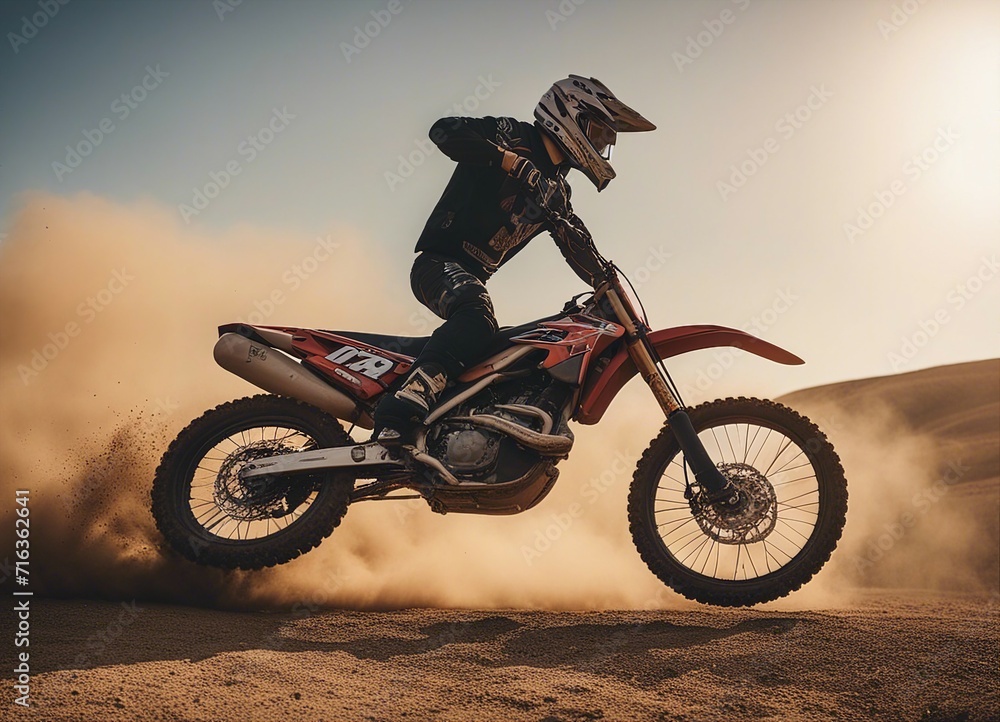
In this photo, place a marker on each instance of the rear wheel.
(210, 516)
(791, 511)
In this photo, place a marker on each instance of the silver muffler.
(271, 370)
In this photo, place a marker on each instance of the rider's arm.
(580, 252)
(467, 140)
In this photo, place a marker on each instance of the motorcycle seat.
(406, 345)
(413, 345)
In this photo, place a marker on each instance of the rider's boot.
(398, 416)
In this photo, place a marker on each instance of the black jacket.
(476, 221)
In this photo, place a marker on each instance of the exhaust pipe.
(271, 370)
(545, 444)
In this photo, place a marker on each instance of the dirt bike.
(735, 502)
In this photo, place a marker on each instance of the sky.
(824, 174)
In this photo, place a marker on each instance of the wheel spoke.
(752, 565)
(717, 444)
(708, 556)
(798, 496)
(768, 556)
(683, 521)
(762, 445)
(792, 481)
(220, 520)
(784, 466)
(696, 550)
(791, 529)
(694, 534)
(788, 442)
(786, 519)
(749, 443)
(730, 441)
(806, 465)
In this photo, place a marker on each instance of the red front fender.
(601, 388)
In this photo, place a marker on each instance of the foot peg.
(389, 438)
(397, 444)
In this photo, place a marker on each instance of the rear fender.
(358, 369)
(603, 385)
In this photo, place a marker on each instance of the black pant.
(460, 298)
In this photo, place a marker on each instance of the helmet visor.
(601, 136)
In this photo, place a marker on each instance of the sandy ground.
(898, 656)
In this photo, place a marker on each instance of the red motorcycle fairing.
(571, 343)
(604, 383)
(361, 370)
(568, 340)
(364, 369)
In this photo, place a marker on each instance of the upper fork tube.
(641, 357)
(707, 475)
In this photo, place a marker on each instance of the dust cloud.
(921, 514)
(106, 354)
(110, 315)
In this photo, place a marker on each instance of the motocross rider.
(507, 172)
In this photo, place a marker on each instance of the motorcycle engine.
(470, 449)
(473, 453)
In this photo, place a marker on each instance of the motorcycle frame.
(575, 358)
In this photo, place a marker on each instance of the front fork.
(708, 476)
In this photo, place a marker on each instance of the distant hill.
(899, 438)
(959, 405)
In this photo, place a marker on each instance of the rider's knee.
(474, 307)
(479, 317)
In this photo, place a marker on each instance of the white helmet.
(584, 118)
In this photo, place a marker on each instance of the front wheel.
(791, 510)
